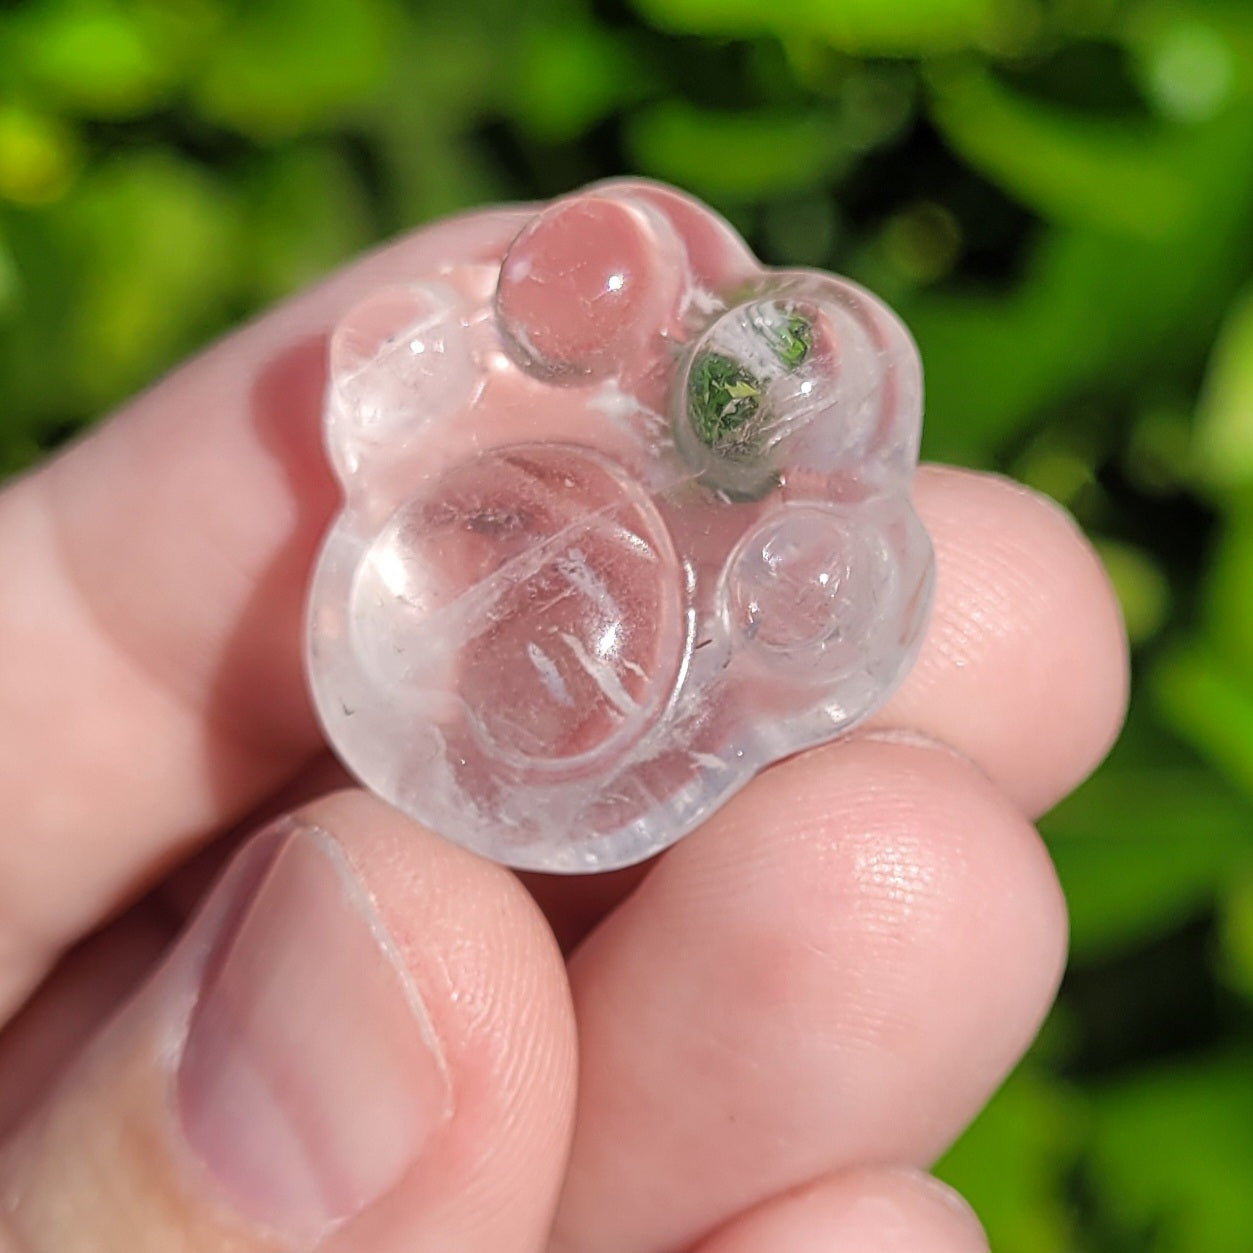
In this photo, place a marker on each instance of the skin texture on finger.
(96, 975)
(81, 993)
(839, 968)
(1009, 560)
(156, 578)
(127, 1153)
(157, 574)
(865, 1211)
(1023, 671)
(1024, 668)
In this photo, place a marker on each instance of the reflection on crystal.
(617, 536)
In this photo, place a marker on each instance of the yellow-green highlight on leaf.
(1224, 429)
(160, 243)
(868, 27)
(1189, 70)
(1055, 470)
(1068, 166)
(736, 155)
(39, 156)
(1193, 58)
(103, 58)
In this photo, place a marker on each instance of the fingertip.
(844, 963)
(1025, 665)
(364, 1032)
(157, 574)
(926, 871)
(877, 1210)
(495, 989)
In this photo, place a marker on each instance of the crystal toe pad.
(627, 519)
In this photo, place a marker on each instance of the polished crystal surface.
(627, 519)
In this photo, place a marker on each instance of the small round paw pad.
(627, 519)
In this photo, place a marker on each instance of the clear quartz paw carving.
(626, 520)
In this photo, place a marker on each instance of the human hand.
(364, 1039)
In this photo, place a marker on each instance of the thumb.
(362, 1043)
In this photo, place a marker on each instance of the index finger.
(157, 582)
(151, 689)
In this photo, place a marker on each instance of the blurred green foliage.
(1057, 194)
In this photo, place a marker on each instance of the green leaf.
(1139, 848)
(1229, 598)
(1012, 1162)
(1172, 1154)
(1206, 704)
(569, 76)
(736, 155)
(1236, 931)
(1224, 431)
(102, 58)
(8, 278)
(1094, 308)
(1067, 165)
(1142, 587)
(800, 230)
(283, 67)
(418, 124)
(1191, 58)
(39, 156)
(874, 27)
(158, 244)
(307, 212)
(35, 387)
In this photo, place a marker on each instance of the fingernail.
(310, 1081)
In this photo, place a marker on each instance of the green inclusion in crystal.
(722, 401)
(791, 341)
(724, 397)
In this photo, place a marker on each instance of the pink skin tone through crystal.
(556, 663)
(836, 970)
(517, 679)
(584, 287)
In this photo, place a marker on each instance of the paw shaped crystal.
(627, 519)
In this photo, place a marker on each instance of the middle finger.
(838, 969)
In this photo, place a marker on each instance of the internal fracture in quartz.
(627, 520)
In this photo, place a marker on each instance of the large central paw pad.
(627, 520)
